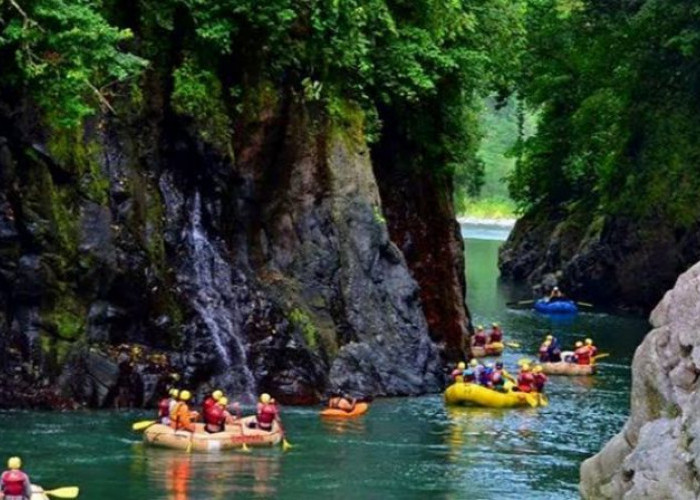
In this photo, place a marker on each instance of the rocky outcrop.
(657, 454)
(612, 261)
(272, 272)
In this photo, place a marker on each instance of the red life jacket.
(525, 382)
(479, 339)
(544, 353)
(164, 408)
(496, 335)
(207, 404)
(13, 482)
(266, 415)
(583, 355)
(214, 415)
(540, 380)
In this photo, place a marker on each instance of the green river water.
(403, 448)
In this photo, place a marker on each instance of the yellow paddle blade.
(189, 446)
(286, 446)
(514, 345)
(245, 448)
(585, 304)
(139, 426)
(601, 356)
(544, 401)
(66, 492)
(531, 400)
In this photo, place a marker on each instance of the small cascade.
(207, 276)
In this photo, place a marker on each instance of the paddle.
(189, 445)
(520, 303)
(143, 424)
(585, 304)
(514, 345)
(65, 492)
(286, 445)
(600, 356)
(544, 401)
(531, 400)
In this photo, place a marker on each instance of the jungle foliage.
(617, 84)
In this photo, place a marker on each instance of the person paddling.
(217, 416)
(582, 354)
(346, 403)
(182, 418)
(457, 374)
(526, 380)
(267, 413)
(591, 348)
(211, 400)
(479, 339)
(544, 351)
(555, 295)
(166, 405)
(496, 334)
(15, 484)
(539, 378)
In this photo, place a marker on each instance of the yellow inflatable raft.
(566, 368)
(493, 349)
(476, 395)
(235, 436)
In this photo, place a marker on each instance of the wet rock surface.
(657, 454)
(273, 273)
(610, 261)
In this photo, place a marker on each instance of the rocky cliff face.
(135, 255)
(611, 261)
(657, 454)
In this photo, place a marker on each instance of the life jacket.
(180, 418)
(540, 380)
(479, 339)
(13, 482)
(496, 335)
(544, 353)
(266, 415)
(164, 408)
(525, 382)
(469, 376)
(593, 350)
(215, 417)
(485, 378)
(457, 375)
(208, 404)
(497, 377)
(583, 355)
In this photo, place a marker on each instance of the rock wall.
(657, 454)
(610, 261)
(134, 256)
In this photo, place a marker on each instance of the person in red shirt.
(539, 377)
(496, 334)
(526, 381)
(582, 354)
(267, 413)
(479, 339)
(15, 484)
(593, 349)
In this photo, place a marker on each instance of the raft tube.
(38, 493)
(566, 368)
(360, 409)
(461, 394)
(556, 307)
(235, 436)
(493, 349)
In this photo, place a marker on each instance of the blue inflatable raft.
(556, 307)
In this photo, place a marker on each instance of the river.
(407, 448)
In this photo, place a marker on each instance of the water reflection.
(213, 476)
(351, 426)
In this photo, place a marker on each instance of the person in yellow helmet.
(166, 406)
(15, 484)
(479, 339)
(210, 411)
(182, 418)
(539, 377)
(458, 373)
(591, 348)
(267, 413)
(496, 334)
(582, 354)
(526, 380)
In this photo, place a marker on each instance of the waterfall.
(208, 278)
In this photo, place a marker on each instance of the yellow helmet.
(479, 327)
(265, 398)
(217, 395)
(537, 369)
(547, 343)
(461, 365)
(185, 395)
(549, 337)
(495, 325)
(526, 367)
(14, 463)
(589, 342)
(223, 400)
(579, 344)
(474, 363)
(174, 392)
